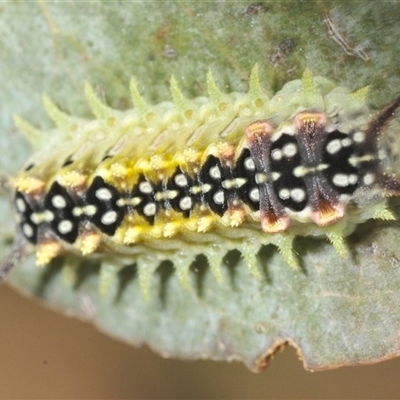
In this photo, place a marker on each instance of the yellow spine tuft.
(46, 252)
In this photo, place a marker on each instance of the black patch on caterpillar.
(64, 223)
(104, 197)
(181, 183)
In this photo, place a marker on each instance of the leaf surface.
(335, 311)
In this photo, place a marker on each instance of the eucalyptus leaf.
(335, 311)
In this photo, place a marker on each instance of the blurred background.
(46, 355)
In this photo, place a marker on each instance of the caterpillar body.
(204, 176)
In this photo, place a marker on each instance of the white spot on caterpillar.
(276, 176)
(215, 172)
(88, 210)
(289, 150)
(20, 205)
(171, 194)
(201, 189)
(27, 230)
(354, 161)
(343, 180)
(353, 179)
(261, 178)
(103, 194)
(58, 201)
(65, 226)
(249, 164)
(150, 209)
(219, 197)
(359, 137)
(181, 180)
(206, 188)
(346, 142)
(186, 203)
(368, 179)
(254, 194)
(145, 187)
(301, 171)
(284, 194)
(333, 146)
(109, 218)
(39, 217)
(298, 195)
(276, 154)
(233, 183)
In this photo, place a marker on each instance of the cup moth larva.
(204, 176)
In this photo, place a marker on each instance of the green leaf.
(335, 311)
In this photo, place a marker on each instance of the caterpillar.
(203, 176)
